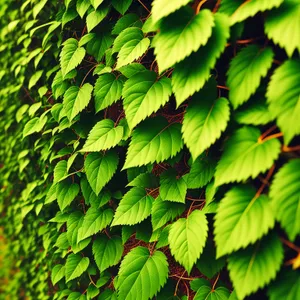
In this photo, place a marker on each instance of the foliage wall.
(150, 149)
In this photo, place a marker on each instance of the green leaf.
(246, 71)
(76, 265)
(145, 180)
(163, 8)
(138, 268)
(176, 38)
(285, 196)
(104, 135)
(121, 5)
(201, 173)
(189, 77)
(134, 207)
(205, 119)
(132, 69)
(60, 171)
(34, 79)
(92, 292)
(86, 38)
(171, 187)
(97, 46)
(66, 193)
(255, 113)
(94, 221)
(34, 125)
(254, 267)
(76, 99)
(131, 51)
(95, 17)
(96, 3)
(82, 6)
(242, 218)
(286, 286)
(250, 8)
(143, 95)
(164, 211)
(107, 251)
(71, 56)
(58, 273)
(282, 26)
(127, 35)
(187, 238)
(208, 265)
(245, 155)
(129, 20)
(283, 98)
(154, 140)
(100, 168)
(108, 90)
(207, 293)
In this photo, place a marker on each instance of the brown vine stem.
(184, 278)
(266, 180)
(290, 149)
(189, 211)
(187, 290)
(215, 282)
(223, 87)
(267, 132)
(145, 6)
(199, 6)
(86, 75)
(216, 6)
(290, 244)
(273, 136)
(247, 41)
(195, 199)
(92, 281)
(177, 284)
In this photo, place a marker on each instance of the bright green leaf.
(121, 5)
(76, 265)
(66, 193)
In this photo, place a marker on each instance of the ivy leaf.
(189, 77)
(57, 273)
(285, 195)
(121, 5)
(207, 293)
(208, 264)
(96, 3)
(163, 8)
(201, 173)
(254, 267)
(98, 45)
(94, 221)
(71, 56)
(281, 25)
(171, 188)
(107, 251)
(145, 180)
(100, 167)
(82, 6)
(286, 286)
(250, 8)
(127, 35)
(134, 207)
(176, 38)
(66, 193)
(154, 140)
(60, 171)
(95, 17)
(246, 71)
(256, 113)
(76, 99)
(245, 155)
(164, 211)
(187, 238)
(283, 98)
(205, 119)
(129, 20)
(143, 95)
(76, 265)
(131, 51)
(138, 268)
(108, 90)
(104, 135)
(234, 226)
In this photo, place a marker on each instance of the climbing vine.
(150, 149)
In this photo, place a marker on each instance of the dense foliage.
(150, 149)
